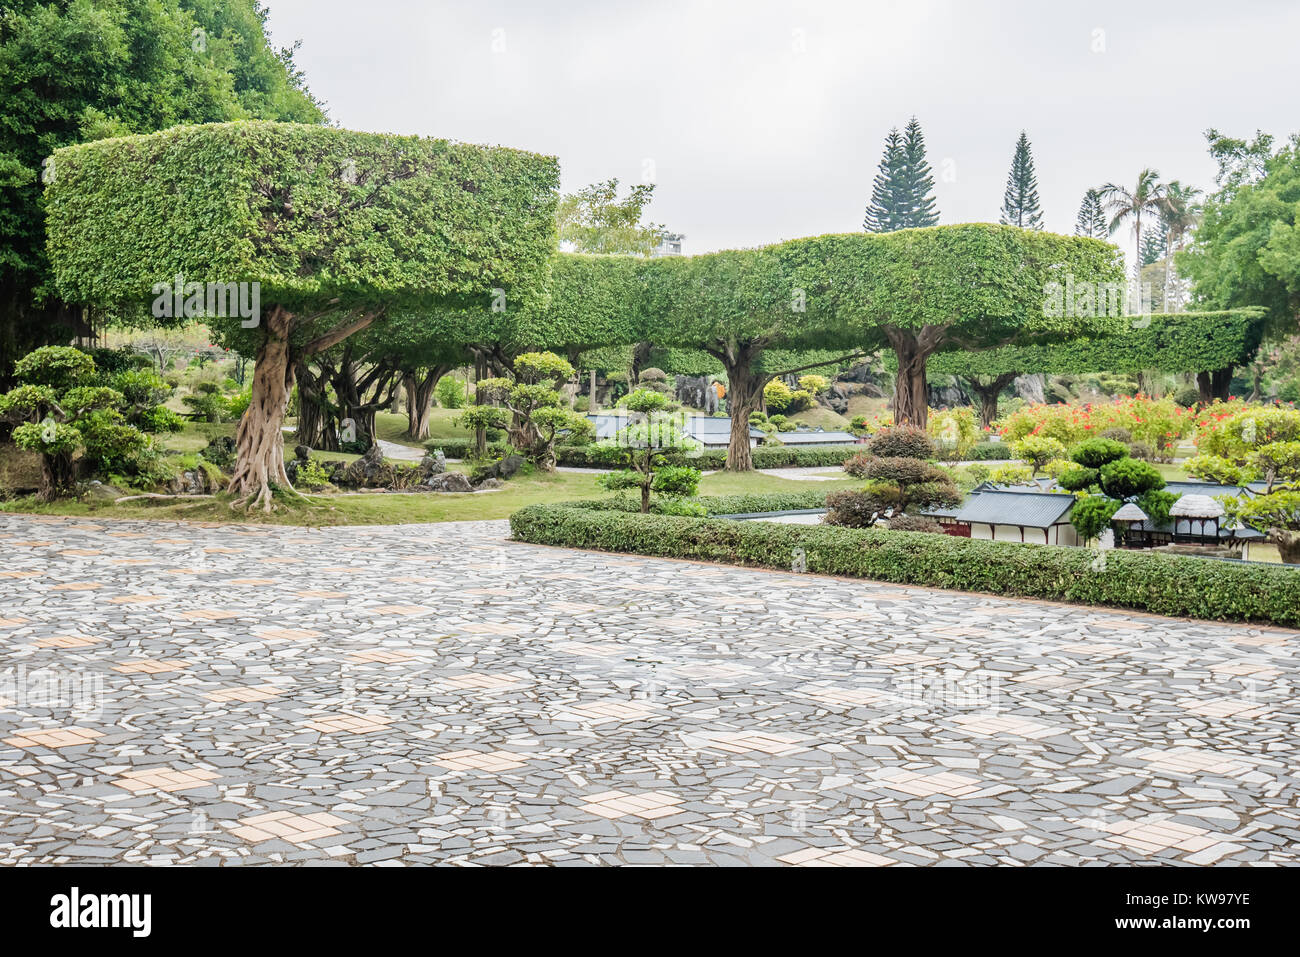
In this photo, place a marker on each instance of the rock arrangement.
(371, 472)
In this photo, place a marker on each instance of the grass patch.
(380, 508)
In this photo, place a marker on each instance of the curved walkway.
(433, 693)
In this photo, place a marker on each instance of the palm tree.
(1124, 204)
(1180, 214)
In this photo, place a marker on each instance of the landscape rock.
(449, 482)
(367, 471)
(434, 464)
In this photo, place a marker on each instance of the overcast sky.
(763, 120)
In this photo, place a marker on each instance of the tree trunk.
(1215, 384)
(419, 400)
(315, 423)
(911, 406)
(745, 391)
(259, 444)
(56, 476)
(1288, 544)
(480, 433)
(988, 394)
(645, 497)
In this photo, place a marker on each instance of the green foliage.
(1156, 504)
(1011, 475)
(1094, 453)
(360, 219)
(596, 221)
(902, 441)
(77, 71)
(1161, 584)
(450, 392)
(1127, 478)
(1038, 450)
(1077, 478)
(1175, 342)
(1246, 251)
(955, 432)
(1091, 515)
(986, 451)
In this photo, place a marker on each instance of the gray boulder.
(448, 482)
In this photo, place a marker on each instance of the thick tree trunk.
(259, 444)
(745, 392)
(911, 405)
(57, 478)
(1214, 385)
(1288, 544)
(419, 400)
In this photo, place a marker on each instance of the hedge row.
(719, 504)
(1175, 585)
(593, 457)
(986, 451)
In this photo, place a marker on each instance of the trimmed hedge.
(989, 451)
(593, 457)
(1175, 585)
(719, 504)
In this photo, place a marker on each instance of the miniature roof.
(1196, 506)
(1129, 513)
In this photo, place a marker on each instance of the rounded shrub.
(902, 441)
(1128, 477)
(1094, 453)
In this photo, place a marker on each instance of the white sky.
(764, 120)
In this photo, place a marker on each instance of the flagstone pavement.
(223, 695)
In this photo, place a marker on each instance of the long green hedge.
(1174, 585)
(592, 457)
(720, 504)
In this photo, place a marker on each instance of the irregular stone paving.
(436, 694)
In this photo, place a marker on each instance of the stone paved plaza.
(436, 694)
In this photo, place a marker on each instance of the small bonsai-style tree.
(1258, 445)
(902, 441)
(895, 485)
(531, 409)
(645, 444)
(1037, 451)
(61, 410)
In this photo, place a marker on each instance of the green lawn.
(379, 508)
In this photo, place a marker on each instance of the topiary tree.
(901, 441)
(295, 238)
(61, 411)
(1094, 453)
(531, 409)
(894, 483)
(645, 443)
(1091, 515)
(1037, 451)
(1129, 478)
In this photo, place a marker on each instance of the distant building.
(670, 244)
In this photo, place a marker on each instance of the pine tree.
(1092, 218)
(1154, 246)
(882, 213)
(1020, 201)
(922, 210)
(902, 194)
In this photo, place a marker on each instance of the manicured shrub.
(986, 451)
(1130, 477)
(902, 441)
(1077, 478)
(1038, 450)
(914, 523)
(1163, 584)
(854, 508)
(857, 466)
(1094, 453)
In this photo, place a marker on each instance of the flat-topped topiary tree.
(323, 232)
